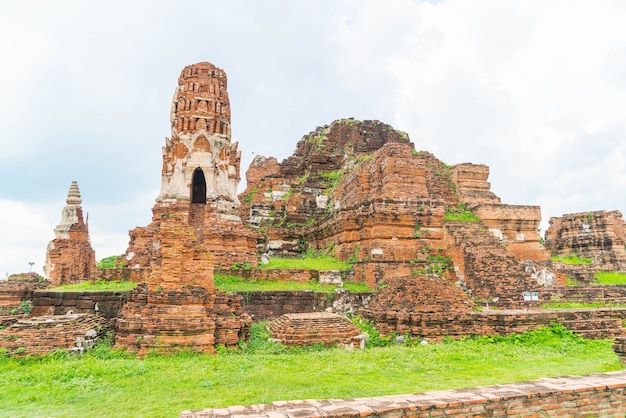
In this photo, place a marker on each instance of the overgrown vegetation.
(111, 262)
(610, 278)
(237, 284)
(581, 305)
(571, 259)
(107, 382)
(459, 213)
(97, 286)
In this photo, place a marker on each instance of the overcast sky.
(534, 89)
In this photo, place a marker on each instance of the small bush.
(111, 262)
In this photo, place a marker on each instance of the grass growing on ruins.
(105, 382)
(571, 259)
(322, 262)
(459, 213)
(237, 284)
(610, 278)
(581, 305)
(97, 286)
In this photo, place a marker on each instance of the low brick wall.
(104, 304)
(607, 294)
(266, 305)
(291, 275)
(598, 395)
(590, 323)
(12, 293)
(46, 334)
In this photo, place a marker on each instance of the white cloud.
(26, 231)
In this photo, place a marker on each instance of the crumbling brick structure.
(200, 173)
(598, 235)
(327, 328)
(179, 307)
(70, 257)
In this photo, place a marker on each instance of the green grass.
(610, 278)
(580, 305)
(97, 286)
(459, 213)
(237, 284)
(322, 262)
(571, 259)
(110, 383)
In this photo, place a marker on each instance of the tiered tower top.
(201, 101)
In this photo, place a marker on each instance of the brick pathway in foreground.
(591, 395)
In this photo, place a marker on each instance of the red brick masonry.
(592, 395)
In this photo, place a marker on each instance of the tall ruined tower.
(70, 257)
(200, 173)
(200, 164)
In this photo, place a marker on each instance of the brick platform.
(316, 328)
(592, 395)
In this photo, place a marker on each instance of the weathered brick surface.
(179, 306)
(46, 334)
(598, 235)
(484, 267)
(105, 304)
(316, 328)
(200, 173)
(262, 306)
(70, 257)
(589, 323)
(13, 292)
(472, 186)
(291, 275)
(601, 395)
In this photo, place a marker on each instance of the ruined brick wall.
(517, 227)
(107, 305)
(70, 257)
(292, 275)
(179, 306)
(590, 323)
(13, 292)
(472, 186)
(598, 235)
(484, 267)
(47, 334)
(265, 305)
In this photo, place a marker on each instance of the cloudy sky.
(534, 89)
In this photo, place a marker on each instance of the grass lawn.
(237, 284)
(97, 286)
(105, 382)
(571, 259)
(610, 278)
(322, 262)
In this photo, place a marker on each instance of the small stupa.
(70, 257)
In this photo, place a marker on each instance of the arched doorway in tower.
(198, 187)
